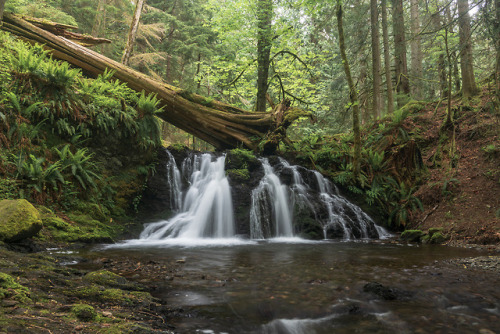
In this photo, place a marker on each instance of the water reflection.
(277, 287)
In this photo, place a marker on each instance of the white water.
(270, 214)
(207, 210)
(174, 180)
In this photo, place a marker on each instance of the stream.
(296, 286)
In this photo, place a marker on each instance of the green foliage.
(79, 165)
(36, 173)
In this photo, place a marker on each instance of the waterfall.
(270, 214)
(286, 199)
(206, 211)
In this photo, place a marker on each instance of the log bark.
(222, 125)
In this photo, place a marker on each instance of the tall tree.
(133, 32)
(2, 5)
(387, 59)
(402, 82)
(497, 70)
(353, 95)
(264, 38)
(469, 87)
(99, 24)
(416, 50)
(376, 62)
(436, 21)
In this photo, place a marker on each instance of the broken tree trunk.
(217, 123)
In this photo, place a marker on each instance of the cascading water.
(174, 180)
(206, 211)
(270, 214)
(341, 214)
(284, 197)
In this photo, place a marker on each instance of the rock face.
(18, 220)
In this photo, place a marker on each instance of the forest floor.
(461, 193)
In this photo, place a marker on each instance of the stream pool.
(292, 286)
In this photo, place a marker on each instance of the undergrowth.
(66, 138)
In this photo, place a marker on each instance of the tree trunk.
(97, 28)
(376, 63)
(497, 70)
(436, 20)
(264, 38)
(387, 59)
(2, 5)
(353, 95)
(133, 32)
(217, 123)
(469, 87)
(416, 51)
(402, 82)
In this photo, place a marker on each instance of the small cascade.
(270, 213)
(343, 217)
(174, 180)
(206, 210)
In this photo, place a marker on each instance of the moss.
(412, 235)
(107, 278)
(434, 230)
(438, 238)
(84, 312)
(238, 175)
(114, 296)
(9, 288)
(18, 220)
(241, 159)
(83, 228)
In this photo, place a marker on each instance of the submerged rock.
(386, 293)
(18, 220)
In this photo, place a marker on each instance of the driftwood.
(220, 124)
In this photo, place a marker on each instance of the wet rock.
(386, 293)
(380, 290)
(412, 235)
(18, 220)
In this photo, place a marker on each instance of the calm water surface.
(289, 287)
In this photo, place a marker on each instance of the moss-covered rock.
(412, 235)
(434, 230)
(84, 312)
(97, 293)
(238, 175)
(438, 238)
(107, 278)
(18, 220)
(9, 288)
(82, 228)
(241, 159)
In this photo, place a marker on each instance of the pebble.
(490, 263)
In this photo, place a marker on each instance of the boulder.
(18, 220)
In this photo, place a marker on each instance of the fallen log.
(222, 125)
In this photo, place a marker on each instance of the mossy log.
(220, 124)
